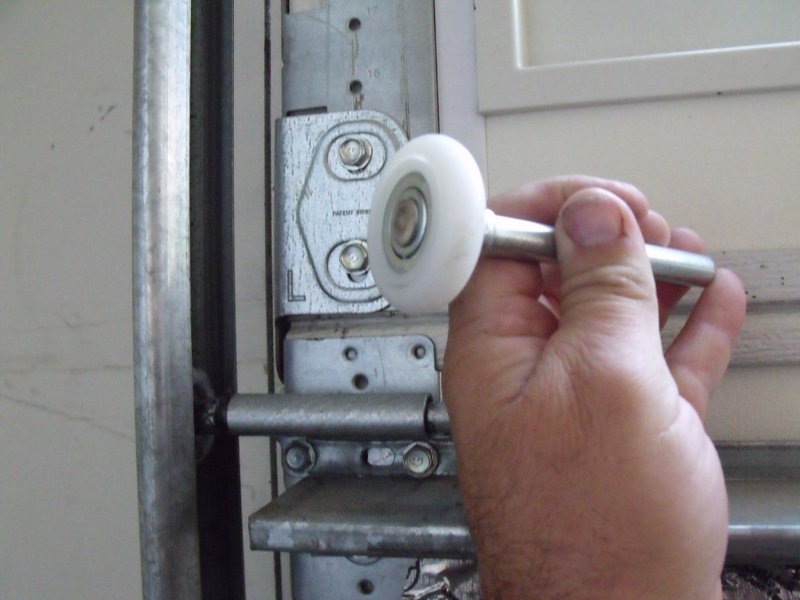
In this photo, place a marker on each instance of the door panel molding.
(510, 81)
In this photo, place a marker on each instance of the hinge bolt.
(420, 460)
(299, 456)
(354, 257)
(355, 154)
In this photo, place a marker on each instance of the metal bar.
(162, 346)
(405, 517)
(525, 240)
(213, 290)
(764, 521)
(330, 416)
(748, 460)
(764, 501)
(438, 421)
(376, 516)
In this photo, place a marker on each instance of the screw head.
(299, 456)
(354, 257)
(355, 154)
(420, 460)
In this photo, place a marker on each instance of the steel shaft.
(526, 240)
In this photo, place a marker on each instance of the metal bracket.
(392, 364)
(362, 497)
(370, 366)
(359, 79)
(363, 55)
(326, 173)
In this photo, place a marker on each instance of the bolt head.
(355, 154)
(299, 456)
(420, 460)
(354, 257)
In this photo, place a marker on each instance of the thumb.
(608, 296)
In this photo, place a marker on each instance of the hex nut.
(299, 456)
(354, 257)
(355, 154)
(420, 460)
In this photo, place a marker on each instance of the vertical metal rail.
(277, 567)
(165, 445)
(213, 291)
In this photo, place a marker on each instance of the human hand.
(583, 461)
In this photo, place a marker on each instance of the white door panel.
(727, 166)
(602, 29)
(544, 53)
(756, 404)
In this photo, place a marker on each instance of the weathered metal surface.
(322, 208)
(374, 516)
(165, 445)
(392, 516)
(392, 364)
(363, 55)
(380, 324)
(316, 577)
(443, 579)
(368, 458)
(372, 366)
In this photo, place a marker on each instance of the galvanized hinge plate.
(392, 364)
(322, 208)
(366, 365)
(356, 498)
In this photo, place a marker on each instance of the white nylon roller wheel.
(427, 224)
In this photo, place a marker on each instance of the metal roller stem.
(525, 240)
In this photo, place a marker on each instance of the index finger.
(541, 201)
